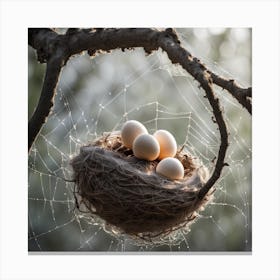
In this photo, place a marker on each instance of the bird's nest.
(125, 192)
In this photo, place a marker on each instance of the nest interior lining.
(127, 193)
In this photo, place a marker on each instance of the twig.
(242, 95)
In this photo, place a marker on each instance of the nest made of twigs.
(125, 192)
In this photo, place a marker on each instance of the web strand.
(82, 114)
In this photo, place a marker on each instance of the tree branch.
(56, 49)
(45, 103)
(242, 95)
(43, 40)
(177, 54)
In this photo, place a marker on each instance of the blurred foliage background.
(98, 95)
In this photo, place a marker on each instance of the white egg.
(167, 143)
(171, 168)
(130, 130)
(145, 146)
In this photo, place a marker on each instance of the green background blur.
(100, 94)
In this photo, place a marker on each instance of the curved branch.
(109, 39)
(45, 103)
(96, 40)
(177, 54)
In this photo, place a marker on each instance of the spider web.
(98, 95)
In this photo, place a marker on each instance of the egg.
(130, 130)
(167, 143)
(170, 168)
(145, 146)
